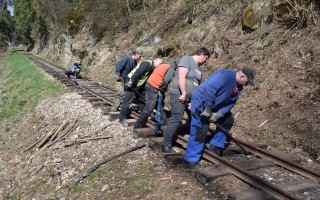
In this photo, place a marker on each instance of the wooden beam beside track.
(143, 132)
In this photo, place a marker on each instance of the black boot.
(214, 149)
(166, 149)
(192, 165)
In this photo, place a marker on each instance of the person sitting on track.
(123, 68)
(212, 102)
(75, 69)
(135, 85)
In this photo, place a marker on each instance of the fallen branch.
(53, 136)
(57, 132)
(97, 131)
(96, 166)
(44, 140)
(69, 143)
(34, 144)
(68, 130)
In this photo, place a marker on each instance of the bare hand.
(182, 98)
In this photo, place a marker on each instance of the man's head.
(136, 55)
(157, 62)
(78, 60)
(246, 76)
(201, 55)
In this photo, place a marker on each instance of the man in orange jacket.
(155, 86)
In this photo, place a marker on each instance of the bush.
(3, 42)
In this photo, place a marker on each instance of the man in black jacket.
(123, 68)
(135, 85)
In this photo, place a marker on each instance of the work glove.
(215, 116)
(117, 77)
(206, 113)
(129, 84)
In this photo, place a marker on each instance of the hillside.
(282, 45)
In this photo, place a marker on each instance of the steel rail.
(243, 174)
(62, 76)
(95, 94)
(133, 114)
(292, 166)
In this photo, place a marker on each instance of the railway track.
(233, 163)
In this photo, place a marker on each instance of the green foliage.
(23, 20)
(6, 28)
(3, 42)
(30, 22)
(24, 86)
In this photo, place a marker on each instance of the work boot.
(114, 109)
(192, 165)
(166, 149)
(214, 149)
(116, 105)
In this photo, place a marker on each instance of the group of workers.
(205, 102)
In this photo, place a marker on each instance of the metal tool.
(157, 117)
(232, 138)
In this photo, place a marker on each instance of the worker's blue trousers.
(198, 133)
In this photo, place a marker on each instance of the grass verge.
(22, 87)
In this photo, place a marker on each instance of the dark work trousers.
(151, 103)
(72, 73)
(174, 123)
(128, 99)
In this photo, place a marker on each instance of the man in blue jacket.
(75, 69)
(212, 102)
(123, 68)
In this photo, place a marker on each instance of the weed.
(93, 177)
(312, 150)
(7, 129)
(31, 190)
(139, 185)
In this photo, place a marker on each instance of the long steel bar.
(292, 166)
(244, 174)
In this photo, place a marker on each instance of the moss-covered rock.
(255, 14)
(75, 18)
(250, 19)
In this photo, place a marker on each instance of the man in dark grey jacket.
(123, 68)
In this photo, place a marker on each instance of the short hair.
(203, 51)
(136, 52)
